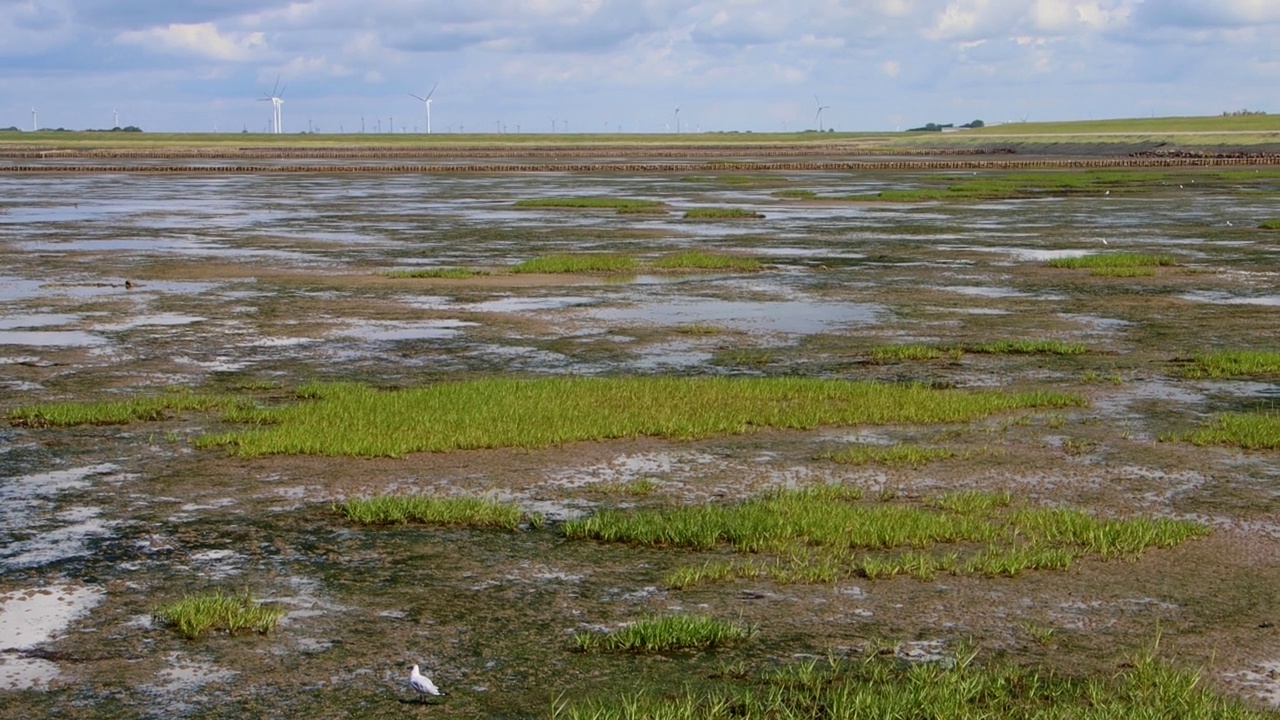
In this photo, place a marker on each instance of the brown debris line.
(657, 167)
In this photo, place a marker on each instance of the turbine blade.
(433, 92)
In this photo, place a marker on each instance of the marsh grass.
(589, 203)
(1271, 224)
(899, 455)
(1123, 272)
(877, 685)
(441, 273)
(359, 420)
(662, 633)
(1250, 430)
(699, 329)
(195, 616)
(1027, 347)
(1114, 261)
(888, 353)
(458, 510)
(700, 260)
(824, 533)
(1234, 363)
(722, 214)
(1025, 185)
(796, 194)
(119, 412)
(578, 263)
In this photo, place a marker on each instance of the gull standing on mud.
(422, 683)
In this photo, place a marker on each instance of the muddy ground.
(125, 284)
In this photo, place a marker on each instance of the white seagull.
(422, 683)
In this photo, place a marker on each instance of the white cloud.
(891, 68)
(202, 39)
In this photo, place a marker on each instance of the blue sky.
(197, 65)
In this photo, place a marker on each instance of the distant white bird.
(422, 683)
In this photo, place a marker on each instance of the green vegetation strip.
(665, 632)
(1112, 261)
(588, 203)
(197, 615)
(1235, 363)
(1251, 431)
(445, 273)
(881, 687)
(900, 455)
(119, 412)
(826, 533)
(699, 260)
(462, 511)
(1273, 224)
(577, 263)
(722, 214)
(889, 353)
(352, 419)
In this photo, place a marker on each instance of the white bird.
(422, 683)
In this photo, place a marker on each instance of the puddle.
(1261, 681)
(36, 320)
(627, 468)
(1223, 298)
(384, 331)
(29, 618)
(51, 338)
(160, 320)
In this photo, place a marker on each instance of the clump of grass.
(700, 260)
(117, 412)
(889, 353)
(1027, 347)
(721, 214)
(354, 419)
(1235, 363)
(664, 633)
(1113, 261)
(1271, 224)
(822, 534)
(640, 487)
(459, 510)
(796, 194)
(589, 203)
(451, 273)
(577, 263)
(197, 615)
(699, 329)
(1021, 185)
(1248, 430)
(899, 455)
(882, 686)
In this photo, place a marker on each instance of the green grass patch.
(353, 419)
(460, 511)
(444, 273)
(702, 261)
(826, 533)
(899, 455)
(972, 188)
(589, 203)
(197, 615)
(878, 686)
(1235, 363)
(119, 412)
(1272, 224)
(578, 263)
(721, 214)
(890, 353)
(664, 633)
(699, 329)
(1250, 430)
(1027, 347)
(1113, 261)
(796, 194)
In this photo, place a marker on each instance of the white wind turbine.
(818, 117)
(427, 101)
(276, 102)
(35, 126)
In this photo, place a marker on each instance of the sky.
(627, 65)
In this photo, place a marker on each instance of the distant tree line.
(1244, 112)
(935, 127)
(127, 128)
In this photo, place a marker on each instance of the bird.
(422, 683)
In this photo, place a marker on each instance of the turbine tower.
(35, 126)
(427, 101)
(818, 116)
(116, 113)
(677, 120)
(275, 99)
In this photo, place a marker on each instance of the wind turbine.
(677, 119)
(818, 117)
(275, 99)
(116, 113)
(35, 126)
(427, 101)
